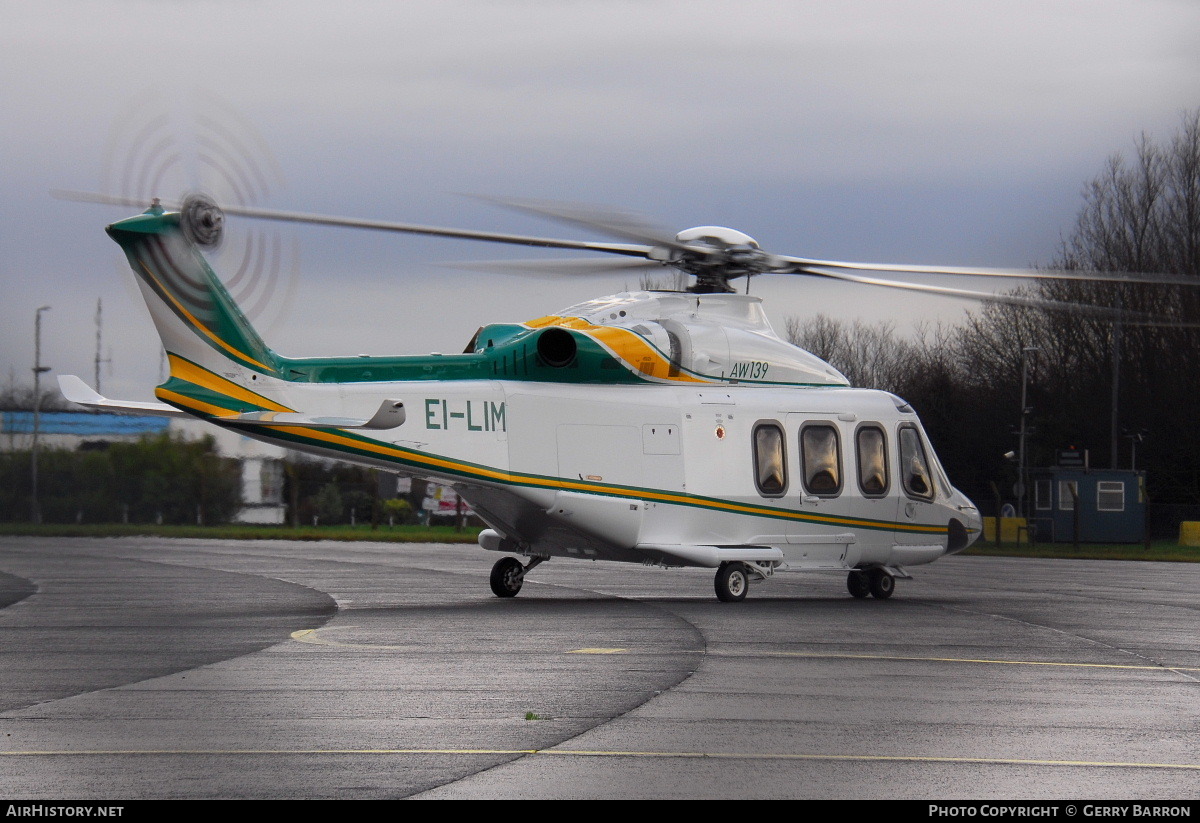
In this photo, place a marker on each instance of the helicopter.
(666, 428)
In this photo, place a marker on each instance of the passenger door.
(915, 510)
(824, 539)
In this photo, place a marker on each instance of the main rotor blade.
(1081, 309)
(623, 224)
(581, 267)
(1024, 274)
(384, 225)
(106, 199)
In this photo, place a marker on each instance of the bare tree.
(1142, 215)
(1098, 380)
(16, 396)
(667, 280)
(871, 356)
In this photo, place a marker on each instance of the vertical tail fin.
(195, 315)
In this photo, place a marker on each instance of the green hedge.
(160, 478)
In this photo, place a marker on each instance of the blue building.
(69, 429)
(1106, 505)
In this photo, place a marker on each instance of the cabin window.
(872, 461)
(1110, 496)
(770, 470)
(820, 456)
(914, 467)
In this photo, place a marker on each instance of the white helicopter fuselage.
(660, 473)
(660, 428)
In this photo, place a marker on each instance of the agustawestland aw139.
(670, 429)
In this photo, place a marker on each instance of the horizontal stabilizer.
(673, 554)
(389, 415)
(75, 390)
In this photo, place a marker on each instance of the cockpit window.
(770, 470)
(820, 454)
(872, 461)
(914, 467)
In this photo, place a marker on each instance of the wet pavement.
(142, 667)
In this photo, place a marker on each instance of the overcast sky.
(915, 132)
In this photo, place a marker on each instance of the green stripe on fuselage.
(513, 359)
(356, 445)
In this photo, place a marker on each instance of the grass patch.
(534, 716)
(1160, 550)
(386, 534)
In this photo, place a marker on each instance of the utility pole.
(38, 368)
(1021, 482)
(99, 359)
(1114, 425)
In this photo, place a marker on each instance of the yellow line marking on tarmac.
(310, 636)
(860, 758)
(828, 656)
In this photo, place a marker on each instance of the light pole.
(1134, 439)
(1021, 481)
(38, 368)
(1114, 421)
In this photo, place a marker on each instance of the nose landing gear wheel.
(858, 584)
(732, 582)
(507, 576)
(882, 583)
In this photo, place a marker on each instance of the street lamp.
(1021, 481)
(38, 368)
(1134, 439)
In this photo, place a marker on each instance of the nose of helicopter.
(965, 525)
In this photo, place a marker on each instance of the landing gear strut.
(508, 574)
(732, 582)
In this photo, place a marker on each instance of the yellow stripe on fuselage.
(337, 438)
(200, 376)
(168, 396)
(195, 321)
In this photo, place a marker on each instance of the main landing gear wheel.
(732, 582)
(858, 584)
(507, 576)
(882, 583)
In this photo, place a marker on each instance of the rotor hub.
(716, 254)
(719, 236)
(202, 220)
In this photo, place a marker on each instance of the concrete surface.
(148, 668)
